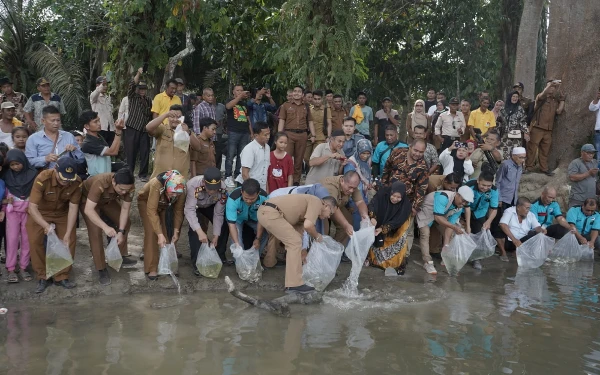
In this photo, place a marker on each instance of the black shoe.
(549, 173)
(302, 289)
(197, 273)
(228, 262)
(42, 285)
(142, 256)
(128, 262)
(3, 259)
(296, 184)
(436, 256)
(104, 278)
(65, 284)
(179, 255)
(345, 259)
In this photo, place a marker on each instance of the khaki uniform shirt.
(157, 202)
(298, 207)
(52, 198)
(333, 186)
(99, 189)
(337, 118)
(546, 106)
(167, 156)
(205, 157)
(318, 115)
(295, 116)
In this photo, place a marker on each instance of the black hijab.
(386, 213)
(459, 168)
(509, 107)
(20, 183)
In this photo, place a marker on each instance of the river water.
(502, 321)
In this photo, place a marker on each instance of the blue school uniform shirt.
(546, 214)
(482, 202)
(382, 153)
(237, 211)
(583, 224)
(440, 201)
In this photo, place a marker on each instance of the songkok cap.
(212, 178)
(67, 168)
(519, 151)
(466, 193)
(337, 133)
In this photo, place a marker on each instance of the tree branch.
(188, 50)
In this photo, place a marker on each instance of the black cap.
(387, 98)
(519, 84)
(179, 81)
(454, 101)
(5, 81)
(100, 79)
(212, 178)
(142, 85)
(66, 168)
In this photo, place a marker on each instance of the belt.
(296, 130)
(271, 205)
(292, 190)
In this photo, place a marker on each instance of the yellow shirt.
(162, 103)
(16, 122)
(483, 121)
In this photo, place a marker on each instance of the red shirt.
(279, 171)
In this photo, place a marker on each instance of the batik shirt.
(414, 175)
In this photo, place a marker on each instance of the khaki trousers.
(291, 236)
(424, 235)
(38, 251)
(410, 236)
(296, 147)
(310, 147)
(151, 254)
(112, 210)
(540, 143)
(340, 233)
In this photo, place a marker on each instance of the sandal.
(26, 276)
(12, 277)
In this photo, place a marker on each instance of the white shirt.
(101, 103)
(596, 108)
(447, 162)
(124, 109)
(256, 158)
(7, 138)
(432, 110)
(519, 230)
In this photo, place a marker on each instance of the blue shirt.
(382, 153)
(317, 190)
(258, 112)
(237, 211)
(546, 214)
(482, 202)
(583, 224)
(440, 202)
(39, 146)
(349, 147)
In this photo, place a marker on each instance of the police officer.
(109, 194)
(547, 209)
(54, 199)
(585, 222)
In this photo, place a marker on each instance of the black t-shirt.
(429, 103)
(93, 145)
(237, 118)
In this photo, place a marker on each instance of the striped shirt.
(139, 114)
(202, 110)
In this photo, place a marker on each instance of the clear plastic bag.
(567, 249)
(485, 245)
(587, 254)
(58, 256)
(457, 253)
(181, 139)
(247, 263)
(113, 255)
(168, 263)
(321, 263)
(357, 251)
(208, 262)
(533, 252)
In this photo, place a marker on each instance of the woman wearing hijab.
(512, 125)
(391, 209)
(417, 117)
(455, 159)
(361, 163)
(19, 179)
(497, 108)
(161, 203)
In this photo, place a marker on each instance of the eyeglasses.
(418, 105)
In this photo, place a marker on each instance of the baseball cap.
(42, 81)
(67, 168)
(212, 178)
(466, 193)
(454, 101)
(387, 98)
(519, 84)
(585, 148)
(5, 80)
(179, 80)
(100, 79)
(7, 105)
(142, 85)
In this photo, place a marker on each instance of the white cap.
(518, 151)
(466, 193)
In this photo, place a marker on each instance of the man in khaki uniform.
(321, 116)
(54, 200)
(168, 157)
(286, 217)
(342, 188)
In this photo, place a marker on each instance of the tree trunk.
(573, 58)
(509, 32)
(173, 61)
(527, 45)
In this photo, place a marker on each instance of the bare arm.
(329, 127)
(245, 173)
(561, 107)
(281, 125)
(233, 232)
(311, 126)
(363, 209)
(441, 220)
(90, 212)
(71, 220)
(509, 234)
(233, 102)
(581, 176)
(310, 228)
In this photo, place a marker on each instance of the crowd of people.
(293, 173)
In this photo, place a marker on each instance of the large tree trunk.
(527, 45)
(509, 33)
(573, 57)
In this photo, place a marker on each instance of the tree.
(527, 44)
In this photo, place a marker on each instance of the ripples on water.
(501, 321)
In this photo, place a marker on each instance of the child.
(3, 150)
(281, 169)
(455, 159)
(19, 137)
(19, 179)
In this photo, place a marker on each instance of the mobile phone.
(342, 159)
(267, 86)
(456, 144)
(145, 67)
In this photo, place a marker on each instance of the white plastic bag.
(208, 262)
(485, 245)
(168, 263)
(587, 254)
(567, 249)
(533, 252)
(321, 263)
(457, 253)
(58, 256)
(247, 263)
(113, 255)
(357, 251)
(181, 139)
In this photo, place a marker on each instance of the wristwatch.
(121, 231)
